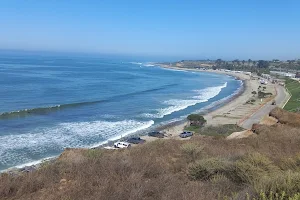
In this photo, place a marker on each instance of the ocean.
(51, 102)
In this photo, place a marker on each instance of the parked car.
(135, 140)
(186, 134)
(157, 134)
(122, 145)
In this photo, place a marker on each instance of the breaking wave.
(210, 92)
(180, 104)
(16, 149)
(46, 110)
(146, 64)
(136, 63)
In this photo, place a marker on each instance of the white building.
(285, 74)
(266, 76)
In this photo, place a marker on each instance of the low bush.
(275, 196)
(194, 129)
(221, 130)
(252, 167)
(191, 151)
(205, 169)
(286, 181)
(196, 120)
(264, 94)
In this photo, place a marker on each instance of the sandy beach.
(233, 111)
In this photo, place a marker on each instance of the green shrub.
(290, 163)
(195, 129)
(264, 94)
(195, 117)
(191, 151)
(207, 168)
(252, 167)
(196, 120)
(288, 181)
(275, 196)
(287, 164)
(222, 130)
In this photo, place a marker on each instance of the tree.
(263, 94)
(263, 64)
(236, 61)
(219, 62)
(249, 61)
(196, 120)
(258, 73)
(243, 62)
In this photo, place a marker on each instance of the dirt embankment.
(285, 117)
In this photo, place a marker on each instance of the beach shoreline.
(173, 129)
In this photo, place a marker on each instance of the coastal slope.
(203, 167)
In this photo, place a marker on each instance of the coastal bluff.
(203, 167)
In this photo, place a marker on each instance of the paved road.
(258, 115)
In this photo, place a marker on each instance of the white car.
(122, 145)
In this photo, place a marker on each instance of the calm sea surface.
(48, 103)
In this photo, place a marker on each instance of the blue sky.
(227, 29)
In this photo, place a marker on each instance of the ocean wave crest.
(16, 149)
(210, 92)
(175, 105)
(49, 109)
(146, 64)
(136, 63)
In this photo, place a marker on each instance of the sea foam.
(175, 105)
(210, 92)
(16, 149)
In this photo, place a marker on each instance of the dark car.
(156, 134)
(135, 140)
(186, 134)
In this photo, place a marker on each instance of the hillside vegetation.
(264, 166)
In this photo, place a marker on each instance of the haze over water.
(52, 102)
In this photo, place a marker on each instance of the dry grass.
(219, 131)
(261, 166)
(285, 117)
